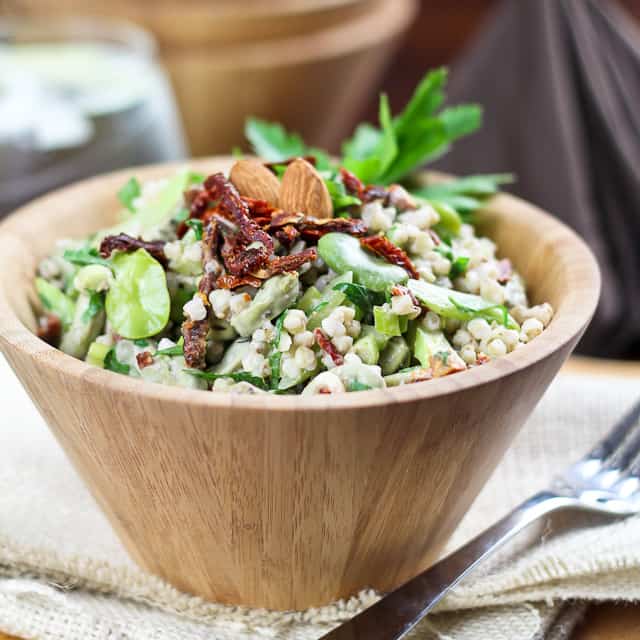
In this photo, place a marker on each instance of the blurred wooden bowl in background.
(311, 64)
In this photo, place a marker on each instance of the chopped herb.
(195, 177)
(458, 265)
(197, 227)
(96, 305)
(483, 313)
(443, 356)
(176, 350)
(364, 299)
(356, 385)
(238, 376)
(275, 355)
(141, 342)
(85, 256)
(339, 196)
(129, 192)
(112, 364)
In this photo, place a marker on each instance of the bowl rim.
(570, 320)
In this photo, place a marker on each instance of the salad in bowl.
(297, 273)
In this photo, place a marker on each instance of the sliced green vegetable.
(138, 303)
(450, 220)
(56, 302)
(387, 322)
(381, 339)
(428, 344)
(176, 350)
(461, 306)
(233, 356)
(396, 355)
(84, 328)
(97, 354)
(129, 192)
(310, 299)
(276, 294)
(366, 348)
(331, 299)
(343, 253)
(356, 385)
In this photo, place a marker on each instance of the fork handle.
(392, 617)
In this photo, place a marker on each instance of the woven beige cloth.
(63, 574)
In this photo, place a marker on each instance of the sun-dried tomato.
(233, 282)
(314, 228)
(249, 248)
(283, 218)
(328, 347)
(386, 249)
(292, 262)
(505, 270)
(482, 358)
(287, 236)
(50, 329)
(195, 333)
(356, 187)
(144, 359)
(124, 242)
(260, 211)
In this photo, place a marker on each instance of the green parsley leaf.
(275, 356)
(129, 192)
(238, 376)
(176, 350)
(339, 196)
(443, 356)
(459, 266)
(141, 342)
(96, 305)
(272, 141)
(85, 256)
(197, 227)
(320, 305)
(364, 299)
(112, 364)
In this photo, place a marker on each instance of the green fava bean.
(343, 253)
(138, 303)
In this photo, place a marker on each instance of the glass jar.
(79, 97)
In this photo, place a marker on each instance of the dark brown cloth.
(560, 83)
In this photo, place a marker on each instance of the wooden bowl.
(315, 82)
(199, 23)
(286, 502)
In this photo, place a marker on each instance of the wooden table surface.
(607, 621)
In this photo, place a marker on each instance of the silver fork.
(606, 481)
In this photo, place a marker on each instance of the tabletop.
(606, 621)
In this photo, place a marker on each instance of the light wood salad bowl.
(286, 502)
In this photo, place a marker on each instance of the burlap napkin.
(63, 574)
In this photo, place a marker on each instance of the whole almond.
(303, 189)
(252, 179)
